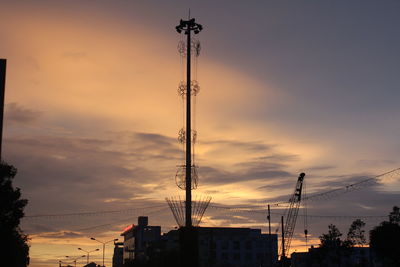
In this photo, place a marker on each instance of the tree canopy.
(14, 249)
(356, 234)
(384, 239)
(332, 238)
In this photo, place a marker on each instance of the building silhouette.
(349, 257)
(138, 238)
(118, 256)
(216, 247)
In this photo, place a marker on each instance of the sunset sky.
(92, 112)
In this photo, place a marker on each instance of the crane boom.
(293, 210)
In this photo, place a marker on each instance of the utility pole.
(3, 65)
(270, 237)
(269, 220)
(189, 257)
(283, 257)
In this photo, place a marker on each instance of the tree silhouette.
(332, 249)
(332, 238)
(356, 234)
(394, 216)
(384, 239)
(14, 249)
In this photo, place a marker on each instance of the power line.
(253, 208)
(91, 213)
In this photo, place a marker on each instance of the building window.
(224, 244)
(236, 245)
(249, 245)
(249, 257)
(225, 256)
(236, 256)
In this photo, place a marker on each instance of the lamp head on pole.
(189, 25)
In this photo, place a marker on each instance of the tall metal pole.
(270, 237)
(283, 243)
(3, 65)
(104, 244)
(269, 221)
(188, 234)
(187, 26)
(104, 247)
(188, 203)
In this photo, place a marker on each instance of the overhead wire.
(250, 209)
(90, 213)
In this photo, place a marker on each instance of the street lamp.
(88, 252)
(104, 244)
(74, 260)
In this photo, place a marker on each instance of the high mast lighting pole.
(187, 26)
(104, 244)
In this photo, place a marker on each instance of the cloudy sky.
(92, 113)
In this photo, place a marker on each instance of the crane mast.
(293, 210)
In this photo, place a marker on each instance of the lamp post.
(74, 260)
(104, 244)
(87, 253)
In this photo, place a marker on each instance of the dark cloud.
(244, 146)
(15, 113)
(76, 173)
(321, 168)
(250, 171)
(62, 234)
(283, 184)
(271, 166)
(33, 228)
(80, 174)
(280, 157)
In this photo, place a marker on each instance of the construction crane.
(292, 211)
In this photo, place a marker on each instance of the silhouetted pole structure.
(269, 220)
(188, 180)
(283, 243)
(3, 65)
(87, 253)
(270, 237)
(104, 245)
(188, 26)
(188, 235)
